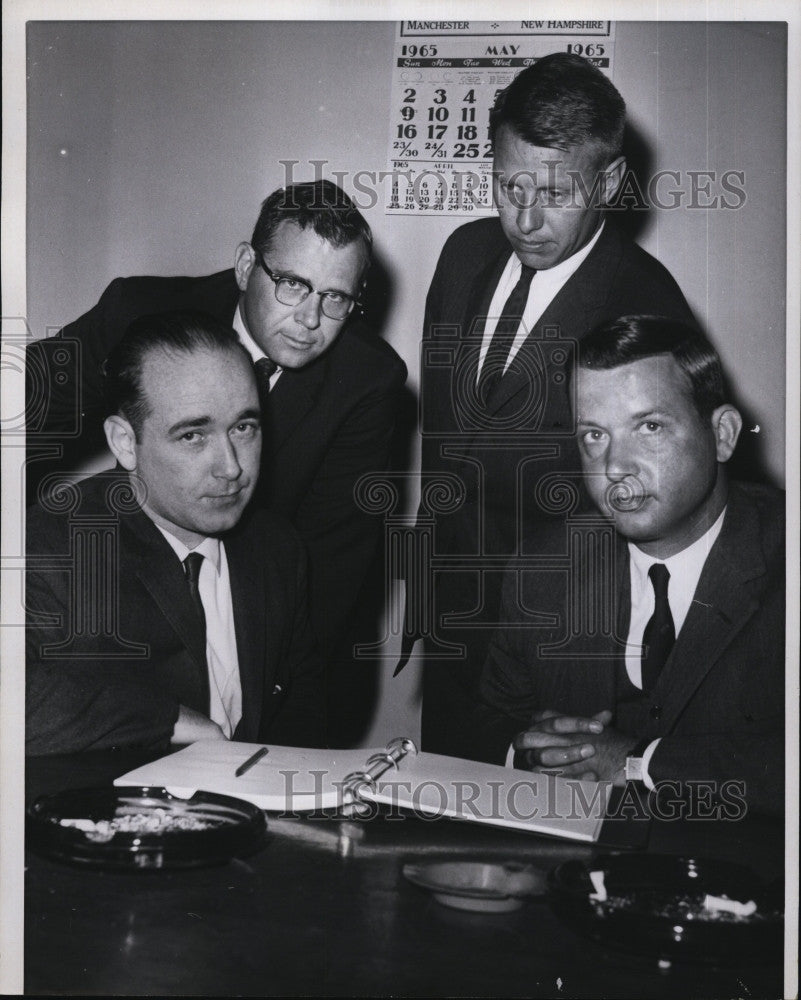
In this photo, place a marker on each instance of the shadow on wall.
(379, 295)
(633, 213)
(632, 210)
(748, 461)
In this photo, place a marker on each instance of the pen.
(257, 756)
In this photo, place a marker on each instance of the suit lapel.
(569, 309)
(526, 372)
(477, 309)
(291, 399)
(724, 601)
(161, 574)
(478, 303)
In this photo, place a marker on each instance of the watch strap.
(634, 771)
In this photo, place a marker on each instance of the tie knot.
(527, 273)
(659, 576)
(192, 565)
(266, 368)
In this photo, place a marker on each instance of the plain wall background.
(152, 144)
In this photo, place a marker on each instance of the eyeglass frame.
(276, 277)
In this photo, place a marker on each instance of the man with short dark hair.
(652, 645)
(329, 386)
(509, 299)
(161, 608)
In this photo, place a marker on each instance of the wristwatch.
(634, 765)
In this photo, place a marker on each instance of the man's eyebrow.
(195, 423)
(190, 424)
(251, 413)
(297, 277)
(641, 415)
(281, 272)
(653, 412)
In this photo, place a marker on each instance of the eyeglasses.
(293, 291)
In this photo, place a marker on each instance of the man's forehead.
(658, 378)
(513, 152)
(161, 356)
(290, 236)
(174, 379)
(305, 250)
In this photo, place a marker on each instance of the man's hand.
(575, 747)
(192, 726)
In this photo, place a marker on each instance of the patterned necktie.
(504, 334)
(265, 369)
(660, 632)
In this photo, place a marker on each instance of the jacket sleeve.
(507, 696)
(80, 693)
(300, 719)
(67, 368)
(434, 404)
(717, 767)
(92, 703)
(341, 538)
(64, 388)
(737, 736)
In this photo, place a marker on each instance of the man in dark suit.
(161, 608)
(330, 386)
(509, 301)
(651, 647)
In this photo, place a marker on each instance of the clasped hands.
(575, 747)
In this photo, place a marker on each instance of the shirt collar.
(560, 272)
(686, 564)
(209, 548)
(248, 342)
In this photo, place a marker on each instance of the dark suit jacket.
(718, 705)
(503, 453)
(329, 424)
(113, 643)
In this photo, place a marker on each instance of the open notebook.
(293, 779)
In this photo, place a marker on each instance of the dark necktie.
(265, 369)
(660, 633)
(504, 334)
(192, 565)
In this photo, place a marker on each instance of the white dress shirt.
(251, 346)
(214, 586)
(544, 288)
(685, 569)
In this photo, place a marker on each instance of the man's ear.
(121, 440)
(244, 259)
(613, 178)
(726, 424)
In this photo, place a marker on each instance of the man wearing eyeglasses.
(295, 313)
(328, 386)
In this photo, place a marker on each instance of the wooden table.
(323, 909)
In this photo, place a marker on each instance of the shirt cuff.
(646, 760)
